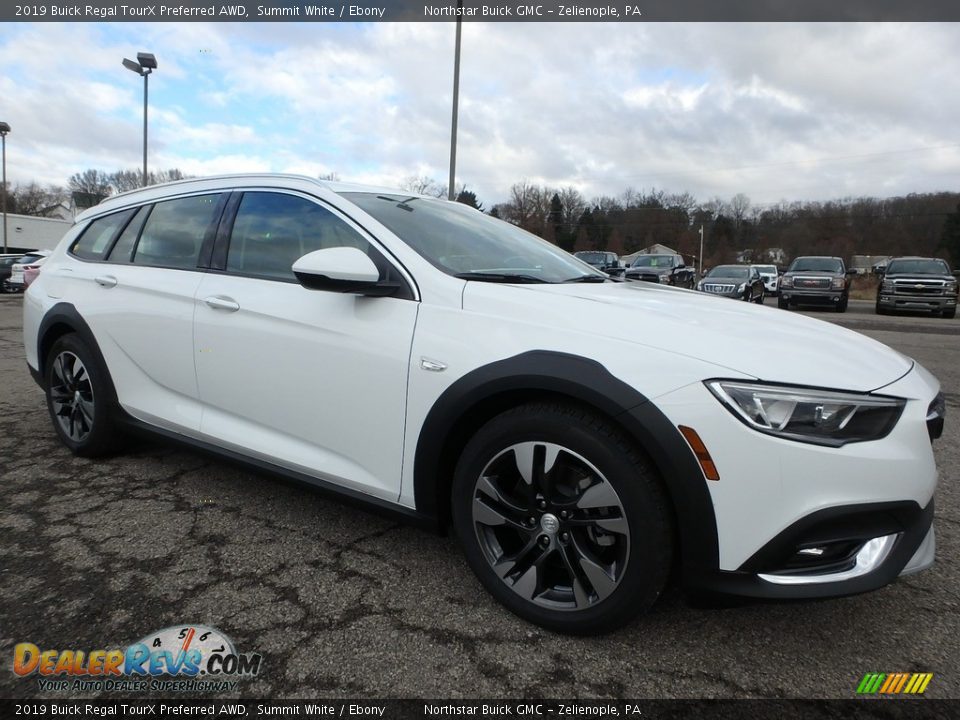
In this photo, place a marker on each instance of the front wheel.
(949, 314)
(783, 304)
(842, 305)
(562, 518)
(78, 391)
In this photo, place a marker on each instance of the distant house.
(27, 232)
(655, 249)
(776, 256)
(868, 263)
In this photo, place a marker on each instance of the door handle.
(218, 302)
(107, 281)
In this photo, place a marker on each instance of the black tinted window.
(174, 232)
(123, 247)
(273, 230)
(96, 238)
(816, 264)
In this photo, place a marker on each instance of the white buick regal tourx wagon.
(583, 437)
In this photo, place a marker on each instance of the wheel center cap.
(76, 396)
(549, 523)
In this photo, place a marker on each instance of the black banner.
(499, 709)
(472, 10)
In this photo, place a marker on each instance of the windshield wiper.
(586, 279)
(499, 277)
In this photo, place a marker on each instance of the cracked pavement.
(344, 603)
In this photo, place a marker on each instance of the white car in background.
(585, 438)
(771, 278)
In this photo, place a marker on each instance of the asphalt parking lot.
(343, 603)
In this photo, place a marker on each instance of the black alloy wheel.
(567, 529)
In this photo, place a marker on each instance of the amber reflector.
(700, 450)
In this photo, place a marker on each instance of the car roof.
(219, 182)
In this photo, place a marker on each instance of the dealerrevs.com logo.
(184, 658)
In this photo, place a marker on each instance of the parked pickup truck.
(916, 283)
(663, 268)
(816, 281)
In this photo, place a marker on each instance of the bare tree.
(423, 185)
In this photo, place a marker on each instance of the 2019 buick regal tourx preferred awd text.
(584, 438)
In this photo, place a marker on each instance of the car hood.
(769, 344)
(917, 276)
(814, 273)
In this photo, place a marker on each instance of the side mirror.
(341, 269)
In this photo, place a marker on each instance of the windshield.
(816, 264)
(766, 269)
(734, 272)
(918, 267)
(594, 258)
(462, 241)
(654, 261)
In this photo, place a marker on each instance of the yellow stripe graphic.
(913, 684)
(926, 681)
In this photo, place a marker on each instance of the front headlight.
(823, 417)
(838, 283)
(886, 286)
(786, 282)
(950, 287)
(741, 287)
(665, 278)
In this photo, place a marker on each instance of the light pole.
(451, 192)
(4, 129)
(700, 257)
(146, 64)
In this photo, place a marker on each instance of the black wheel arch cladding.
(542, 373)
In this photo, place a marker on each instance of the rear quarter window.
(94, 241)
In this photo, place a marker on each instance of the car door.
(314, 381)
(135, 284)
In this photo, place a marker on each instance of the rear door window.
(175, 231)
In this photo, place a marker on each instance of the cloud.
(799, 111)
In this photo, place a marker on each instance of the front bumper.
(916, 302)
(811, 297)
(864, 547)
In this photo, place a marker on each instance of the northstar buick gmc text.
(584, 437)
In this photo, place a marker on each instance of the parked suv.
(915, 283)
(771, 279)
(816, 281)
(425, 358)
(607, 262)
(663, 268)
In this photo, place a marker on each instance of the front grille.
(935, 416)
(645, 277)
(918, 287)
(717, 288)
(811, 283)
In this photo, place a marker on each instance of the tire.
(783, 304)
(586, 572)
(759, 300)
(949, 314)
(79, 394)
(880, 310)
(842, 305)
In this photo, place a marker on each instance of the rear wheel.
(562, 519)
(78, 391)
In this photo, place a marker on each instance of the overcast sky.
(778, 111)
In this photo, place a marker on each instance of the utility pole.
(4, 129)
